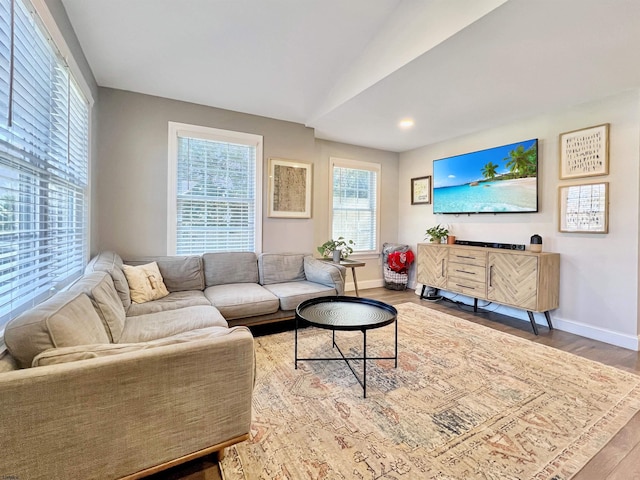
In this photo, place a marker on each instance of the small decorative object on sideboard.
(536, 243)
(338, 249)
(436, 234)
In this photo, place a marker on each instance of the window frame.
(57, 39)
(177, 129)
(357, 165)
(62, 60)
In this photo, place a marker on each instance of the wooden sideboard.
(521, 279)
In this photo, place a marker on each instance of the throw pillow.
(145, 282)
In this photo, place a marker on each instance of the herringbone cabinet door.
(512, 279)
(432, 265)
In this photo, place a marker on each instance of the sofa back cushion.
(65, 320)
(281, 267)
(180, 273)
(102, 292)
(111, 263)
(230, 267)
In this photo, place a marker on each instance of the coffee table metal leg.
(364, 362)
(364, 358)
(296, 344)
(396, 366)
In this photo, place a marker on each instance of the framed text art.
(585, 152)
(584, 208)
(421, 190)
(289, 188)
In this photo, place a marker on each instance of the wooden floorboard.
(618, 460)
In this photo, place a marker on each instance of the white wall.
(598, 272)
(132, 170)
(131, 177)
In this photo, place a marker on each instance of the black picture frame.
(421, 190)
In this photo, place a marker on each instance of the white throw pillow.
(145, 282)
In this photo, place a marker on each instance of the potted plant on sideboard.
(436, 234)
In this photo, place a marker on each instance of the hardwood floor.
(618, 460)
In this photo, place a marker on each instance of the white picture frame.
(584, 208)
(584, 152)
(289, 188)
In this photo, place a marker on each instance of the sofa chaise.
(97, 386)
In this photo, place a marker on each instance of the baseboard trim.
(623, 340)
(630, 342)
(362, 285)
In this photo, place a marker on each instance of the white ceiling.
(352, 69)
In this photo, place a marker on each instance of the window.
(44, 129)
(354, 195)
(215, 179)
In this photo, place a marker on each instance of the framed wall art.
(585, 152)
(421, 190)
(584, 208)
(289, 188)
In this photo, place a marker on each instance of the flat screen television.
(496, 180)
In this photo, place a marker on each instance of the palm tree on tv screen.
(489, 170)
(521, 162)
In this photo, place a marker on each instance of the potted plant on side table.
(336, 249)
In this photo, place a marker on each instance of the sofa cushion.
(281, 267)
(111, 263)
(85, 352)
(180, 273)
(230, 267)
(242, 300)
(100, 289)
(65, 320)
(291, 294)
(143, 328)
(145, 282)
(173, 301)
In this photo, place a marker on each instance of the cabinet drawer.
(467, 287)
(467, 271)
(468, 257)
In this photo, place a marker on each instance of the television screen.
(497, 180)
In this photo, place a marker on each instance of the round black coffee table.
(347, 313)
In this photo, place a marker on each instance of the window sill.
(364, 256)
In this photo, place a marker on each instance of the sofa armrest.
(113, 416)
(325, 273)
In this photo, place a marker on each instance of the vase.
(451, 239)
(336, 255)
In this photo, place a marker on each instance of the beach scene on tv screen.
(497, 180)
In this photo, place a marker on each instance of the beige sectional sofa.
(95, 386)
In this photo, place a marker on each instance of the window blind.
(44, 129)
(355, 203)
(215, 196)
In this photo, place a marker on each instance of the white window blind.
(355, 192)
(44, 129)
(217, 193)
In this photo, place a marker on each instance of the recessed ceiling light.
(406, 123)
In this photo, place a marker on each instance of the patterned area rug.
(465, 402)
